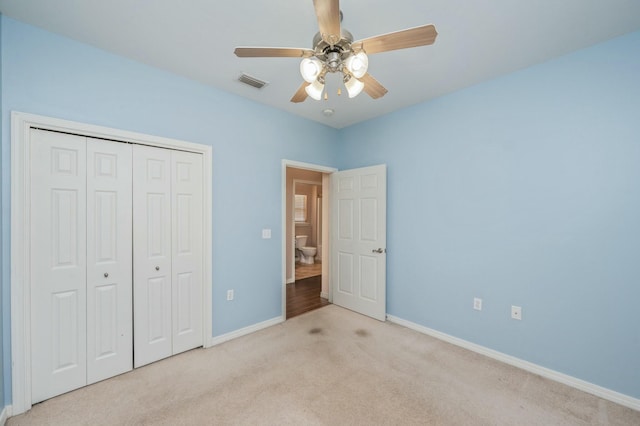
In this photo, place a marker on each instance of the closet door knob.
(106, 274)
(157, 268)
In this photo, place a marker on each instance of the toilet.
(307, 252)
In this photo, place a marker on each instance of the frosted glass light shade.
(354, 87)
(314, 90)
(358, 64)
(310, 68)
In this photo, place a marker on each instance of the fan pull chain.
(326, 94)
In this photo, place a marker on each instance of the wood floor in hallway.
(307, 271)
(304, 296)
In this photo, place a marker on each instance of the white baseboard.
(5, 414)
(599, 391)
(291, 280)
(324, 295)
(244, 331)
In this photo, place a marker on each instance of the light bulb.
(354, 87)
(358, 64)
(314, 90)
(310, 68)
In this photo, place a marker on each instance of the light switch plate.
(266, 234)
(477, 303)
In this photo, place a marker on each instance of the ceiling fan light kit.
(335, 51)
(310, 69)
(358, 64)
(353, 85)
(314, 90)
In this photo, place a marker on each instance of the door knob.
(106, 274)
(380, 250)
(157, 268)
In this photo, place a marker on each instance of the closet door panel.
(58, 259)
(152, 254)
(109, 263)
(187, 250)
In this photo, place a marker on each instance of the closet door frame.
(21, 125)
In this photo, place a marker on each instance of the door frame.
(325, 217)
(21, 125)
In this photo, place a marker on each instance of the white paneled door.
(186, 226)
(359, 238)
(109, 263)
(167, 217)
(59, 267)
(152, 253)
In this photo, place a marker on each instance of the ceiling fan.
(335, 51)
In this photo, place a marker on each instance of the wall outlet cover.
(516, 312)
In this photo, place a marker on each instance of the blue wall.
(50, 75)
(524, 190)
(2, 310)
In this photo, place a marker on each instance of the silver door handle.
(380, 250)
(157, 268)
(106, 275)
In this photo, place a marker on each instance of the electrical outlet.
(229, 294)
(516, 312)
(477, 303)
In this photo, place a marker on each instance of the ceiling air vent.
(252, 81)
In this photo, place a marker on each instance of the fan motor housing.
(333, 55)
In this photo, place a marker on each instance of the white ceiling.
(478, 40)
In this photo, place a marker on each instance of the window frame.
(304, 208)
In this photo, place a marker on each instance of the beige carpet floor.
(329, 367)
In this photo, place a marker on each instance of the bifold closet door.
(152, 254)
(167, 218)
(109, 260)
(187, 220)
(80, 261)
(58, 264)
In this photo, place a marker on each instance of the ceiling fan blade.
(301, 94)
(273, 52)
(328, 13)
(411, 37)
(373, 87)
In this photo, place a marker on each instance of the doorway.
(307, 224)
(357, 201)
(306, 282)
